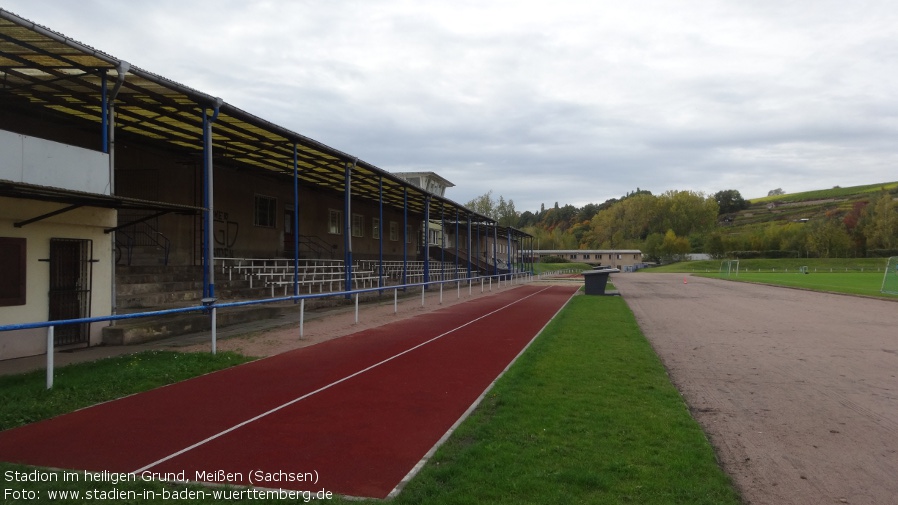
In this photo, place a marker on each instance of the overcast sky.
(541, 101)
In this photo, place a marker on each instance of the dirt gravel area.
(796, 390)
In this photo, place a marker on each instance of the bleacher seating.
(328, 275)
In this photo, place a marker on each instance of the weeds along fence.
(211, 306)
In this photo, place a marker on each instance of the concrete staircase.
(150, 288)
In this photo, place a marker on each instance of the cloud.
(569, 101)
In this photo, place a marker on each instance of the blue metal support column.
(508, 256)
(380, 232)
(470, 245)
(347, 229)
(478, 248)
(295, 219)
(207, 215)
(427, 238)
(405, 235)
(208, 202)
(443, 239)
(495, 248)
(457, 252)
(532, 259)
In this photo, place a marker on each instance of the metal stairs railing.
(143, 232)
(311, 246)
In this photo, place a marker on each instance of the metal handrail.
(211, 306)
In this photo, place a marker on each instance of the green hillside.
(805, 206)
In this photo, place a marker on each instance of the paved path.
(797, 390)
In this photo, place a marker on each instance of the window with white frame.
(408, 234)
(265, 211)
(375, 228)
(335, 222)
(358, 225)
(394, 231)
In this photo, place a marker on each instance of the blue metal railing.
(211, 306)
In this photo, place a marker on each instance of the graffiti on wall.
(224, 233)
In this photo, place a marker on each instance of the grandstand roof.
(51, 70)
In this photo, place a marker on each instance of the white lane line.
(332, 384)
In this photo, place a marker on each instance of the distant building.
(607, 257)
(428, 181)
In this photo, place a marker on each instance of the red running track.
(359, 412)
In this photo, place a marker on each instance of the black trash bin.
(597, 279)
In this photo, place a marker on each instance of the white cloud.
(568, 101)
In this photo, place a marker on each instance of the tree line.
(667, 226)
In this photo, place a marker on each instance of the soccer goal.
(729, 268)
(890, 278)
(803, 270)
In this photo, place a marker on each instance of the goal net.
(890, 278)
(729, 268)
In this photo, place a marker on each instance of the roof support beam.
(47, 215)
(132, 223)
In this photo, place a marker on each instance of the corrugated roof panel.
(53, 71)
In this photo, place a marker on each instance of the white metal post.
(302, 310)
(214, 330)
(50, 351)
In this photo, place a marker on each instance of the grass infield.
(853, 276)
(586, 415)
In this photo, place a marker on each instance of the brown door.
(70, 283)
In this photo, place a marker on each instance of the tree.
(483, 204)
(881, 228)
(674, 248)
(776, 192)
(730, 200)
(685, 212)
(502, 211)
(828, 239)
(715, 246)
(505, 212)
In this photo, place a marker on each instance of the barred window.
(335, 222)
(265, 211)
(358, 225)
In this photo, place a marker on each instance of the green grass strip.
(788, 265)
(25, 399)
(866, 284)
(587, 415)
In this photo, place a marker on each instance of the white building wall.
(45, 163)
(84, 223)
(41, 162)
